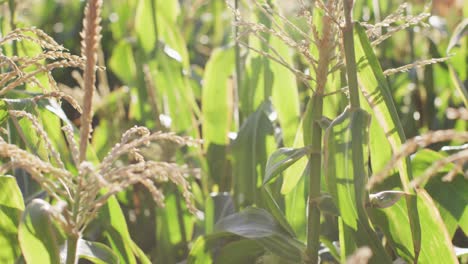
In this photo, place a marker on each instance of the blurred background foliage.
(170, 66)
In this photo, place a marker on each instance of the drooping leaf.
(385, 199)
(37, 235)
(281, 160)
(258, 224)
(96, 252)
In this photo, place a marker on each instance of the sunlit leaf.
(436, 245)
(37, 236)
(451, 197)
(377, 92)
(345, 163)
(11, 206)
(116, 230)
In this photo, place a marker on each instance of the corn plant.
(325, 131)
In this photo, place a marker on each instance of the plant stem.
(348, 40)
(315, 159)
(326, 45)
(238, 69)
(72, 244)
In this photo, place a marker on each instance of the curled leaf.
(385, 199)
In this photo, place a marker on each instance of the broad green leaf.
(377, 92)
(281, 160)
(174, 91)
(10, 194)
(285, 95)
(293, 174)
(113, 221)
(249, 151)
(378, 95)
(241, 251)
(451, 197)
(296, 204)
(145, 24)
(11, 206)
(345, 163)
(96, 252)
(37, 235)
(217, 97)
(174, 226)
(271, 205)
(122, 62)
(436, 245)
(217, 110)
(265, 78)
(258, 224)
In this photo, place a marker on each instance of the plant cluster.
(319, 135)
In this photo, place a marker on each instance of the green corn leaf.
(217, 110)
(116, 231)
(11, 206)
(385, 199)
(281, 160)
(250, 249)
(436, 245)
(259, 225)
(96, 252)
(451, 197)
(122, 62)
(205, 248)
(249, 151)
(270, 204)
(217, 97)
(345, 163)
(294, 173)
(37, 235)
(378, 95)
(3, 112)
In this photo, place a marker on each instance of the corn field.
(254, 131)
